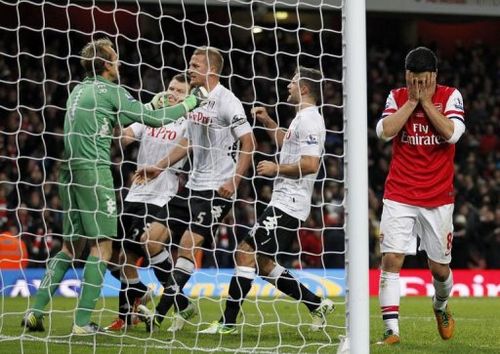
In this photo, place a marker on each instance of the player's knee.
(154, 247)
(245, 255)
(439, 271)
(392, 262)
(102, 249)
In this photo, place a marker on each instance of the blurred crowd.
(35, 88)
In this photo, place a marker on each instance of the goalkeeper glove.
(157, 102)
(197, 98)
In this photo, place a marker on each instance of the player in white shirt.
(213, 134)
(301, 151)
(143, 231)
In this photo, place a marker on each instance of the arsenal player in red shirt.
(424, 121)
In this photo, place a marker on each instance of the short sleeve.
(138, 130)
(390, 105)
(234, 115)
(455, 106)
(312, 139)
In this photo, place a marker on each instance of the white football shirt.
(305, 137)
(156, 143)
(213, 132)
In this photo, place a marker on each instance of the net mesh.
(262, 43)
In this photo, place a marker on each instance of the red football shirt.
(422, 169)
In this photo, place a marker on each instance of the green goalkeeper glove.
(197, 98)
(159, 101)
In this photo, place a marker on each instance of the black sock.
(286, 283)
(238, 290)
(116, 273)
(172, 292)
(123, 305)
(133, 292)
(162, 271)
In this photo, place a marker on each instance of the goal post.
(356, 176)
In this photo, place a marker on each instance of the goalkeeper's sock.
(240, 285)
(443, 290)
(389, 299)
(179, 277)
(56, 269)
(162, 266)
(93, 275)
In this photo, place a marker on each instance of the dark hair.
(94, 56)
(213, 56)
(312, 78)
(420, 60)
(180, 77)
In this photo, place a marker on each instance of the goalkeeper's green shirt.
(93, 109)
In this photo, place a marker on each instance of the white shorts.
(402, 223)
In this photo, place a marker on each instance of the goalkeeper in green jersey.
(94, 108)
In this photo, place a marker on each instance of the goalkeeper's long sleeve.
(131, 110)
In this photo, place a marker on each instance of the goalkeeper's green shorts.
(89, 203)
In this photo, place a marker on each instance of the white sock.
(389, 297)
(443, 290)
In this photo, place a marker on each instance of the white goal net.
(262, 43)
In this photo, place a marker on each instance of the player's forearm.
(127, 137)
(393, 123)
(442, 124)
(274, 131)
(245, 156)
(305, 166)
(178, 153)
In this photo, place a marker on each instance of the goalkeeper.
(94, 108)
(300, 155)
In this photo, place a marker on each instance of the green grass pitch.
(270, 326)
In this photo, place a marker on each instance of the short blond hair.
(94, 56)
(213, 56)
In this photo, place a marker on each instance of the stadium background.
(36, 83)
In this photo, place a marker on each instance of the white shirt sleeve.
(138, 130)
(455, 106)
(235, 116)
(380, 131)
(311, 140)
(390, 105)
(457, 132)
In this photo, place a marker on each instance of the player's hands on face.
(428, 87)
(227, 189)
(146, 174)
(260, 113)
(413, 87)
(267, 168)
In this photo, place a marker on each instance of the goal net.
(262, 43)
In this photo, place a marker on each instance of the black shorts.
(273, 233)
(134, 220)
(199, 211)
